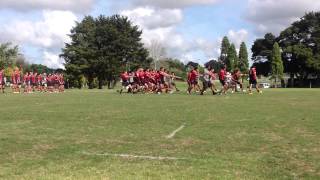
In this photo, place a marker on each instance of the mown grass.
(275, 135)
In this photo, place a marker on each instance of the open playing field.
(84, 134)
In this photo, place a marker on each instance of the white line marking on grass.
(132, 156)
(175, 132)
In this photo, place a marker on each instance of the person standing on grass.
(253, 80)
(16, 80)
(39, 82)
(125, 82)
(33, 81)
(2, 81)
(193, 79)
(25, 82)
(172, 81)
(207, 80)
(236, 80)
(222, 78)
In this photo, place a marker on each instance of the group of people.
(227, 80)
(32, 81)
(162, 81)
(149, 81)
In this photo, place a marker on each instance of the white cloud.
(48, 34)
(152, 18)
(237, 37)
(26, 5)
(52, 60)
(160, 25)
(171, 4)
(274, 15)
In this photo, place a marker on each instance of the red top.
(33, 78)
(39, 78)
(193, 75)
(236, 76)
(124, 76)
(253, 73)
(222, 74)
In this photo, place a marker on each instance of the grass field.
(84, 134)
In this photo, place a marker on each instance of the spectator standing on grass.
(2, 80)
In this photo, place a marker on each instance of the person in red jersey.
(33, 81)
(50, 83)
(163, 76)
(2, 81)
(253, 80)
(235, 80)
(16, 80)
(39, 82)
(193, 79)
(125, 82)
(222, 79)
(26, 82)
(56, 82)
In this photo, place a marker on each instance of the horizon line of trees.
(296, 51)
(10, 57)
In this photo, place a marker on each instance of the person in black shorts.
(253, 80)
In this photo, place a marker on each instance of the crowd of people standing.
(30, 82)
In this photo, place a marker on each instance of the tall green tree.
(301, 45)
(8, 54)
(243, 64)
(225, 45)
(232, 58)
(102, 47)
(276, 63)
(81, 53)
(261, 53)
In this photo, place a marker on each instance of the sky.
(189, 30)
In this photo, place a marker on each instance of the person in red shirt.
(39, 82)
(26, 82)
(125, 82)
(222, 78)
(33, 81)
(253, 80)
(50, 83)
(193, 79)
(2, 82)
(16, 80)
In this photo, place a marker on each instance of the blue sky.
(186, 29)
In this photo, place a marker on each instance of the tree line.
(296, 51)
(11, 57)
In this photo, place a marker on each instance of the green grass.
(275, 135)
